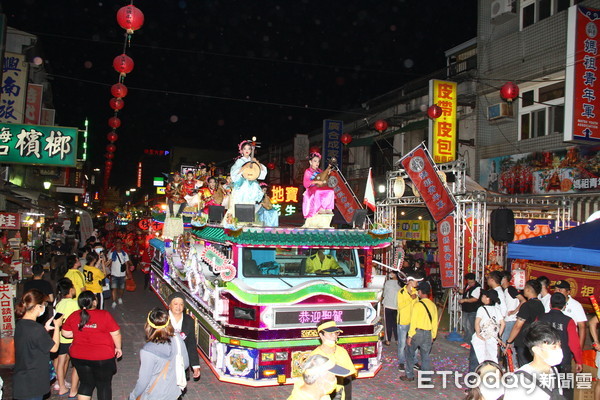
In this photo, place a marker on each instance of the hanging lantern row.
(380, 125)
(509, 91)
(131, 19)
(290, 160)
(346, 138)
(434, 111)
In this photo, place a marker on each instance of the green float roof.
(293, 237)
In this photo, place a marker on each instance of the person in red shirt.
(96, 345)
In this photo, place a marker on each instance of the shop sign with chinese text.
(414, 229)
(33, 105)
(332, 145)
(284, 199)
(442, 130)
(581, 100)
(38, 145)
(422, 172)
(447, 260)
(13, 91)
(7, 292)
(10, 220)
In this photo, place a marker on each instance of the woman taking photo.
(33, 345)
(96, 344)
(158, 377)
(318, 197)
(66, 305)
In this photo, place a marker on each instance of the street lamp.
(47, 185)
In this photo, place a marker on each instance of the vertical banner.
(13, 90)
(301, 145)
(139, 175)
(422, 172)
(7, 310)
(10, 220)
(468, 249)
(47, 117)
(332, 146)
(345, 201)
(33, 104)
(442, 130)
(446, 257)
(581, 120)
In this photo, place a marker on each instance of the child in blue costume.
(245, 191)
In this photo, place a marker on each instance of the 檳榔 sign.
(39, 145)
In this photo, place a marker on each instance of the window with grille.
(541, 110)
(533, 11)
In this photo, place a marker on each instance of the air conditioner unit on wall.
(500, 110)
(502, 10)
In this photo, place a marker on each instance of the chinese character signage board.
(583, 284)
(332, 145)
(446, 255)
(47, 117)
(7, 310)
(33, 104)
(13, 91)
(570, 170)
(39, 145)
(422, 172)
(581, 116)
(285, 200)
(10, 220)
(442, 130)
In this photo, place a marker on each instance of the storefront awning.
(368, 141)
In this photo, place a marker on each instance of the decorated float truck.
(257, 296)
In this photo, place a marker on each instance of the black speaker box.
(502, 225)
(244, 212)
(216, 213)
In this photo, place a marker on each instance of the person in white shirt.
(573, 309)
(539, 379)
(494, 281)
(513, 302)
(545, 295)
(118, 272)
(489, 326)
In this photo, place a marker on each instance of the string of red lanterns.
(131, 19)
(509, 91)
(380, 125)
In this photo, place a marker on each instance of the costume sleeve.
(263, 172)
(574, 344)
(190, 341)
(307, 180)
(236, 170)
(146, 366)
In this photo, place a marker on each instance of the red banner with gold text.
(583, 284)
(445, 231)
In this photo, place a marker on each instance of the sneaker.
(120, 301)
(406, 378)
(114, 305)
(401, 367)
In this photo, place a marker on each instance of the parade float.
(257, 302)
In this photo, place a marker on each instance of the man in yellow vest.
(407, 296)
(422, 331)
(328, 333)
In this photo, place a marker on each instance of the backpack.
(180, 366)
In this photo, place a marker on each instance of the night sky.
(205, 70)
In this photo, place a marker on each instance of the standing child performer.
(246, 190)
(266, 213)
(175, 195)
(318, 197)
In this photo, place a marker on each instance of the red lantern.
(381, 125)
(111, 148)
(434, 111)
(314, 149)
(114, 122)
(109, 156)
(290, 160)
(130, 18)
(271, 166)
(118, 90)
(112, 136)
(116, 104)
(108, 164)
(346, 138)
(123, 64)
(509, 91)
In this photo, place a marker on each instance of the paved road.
(386, 385)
